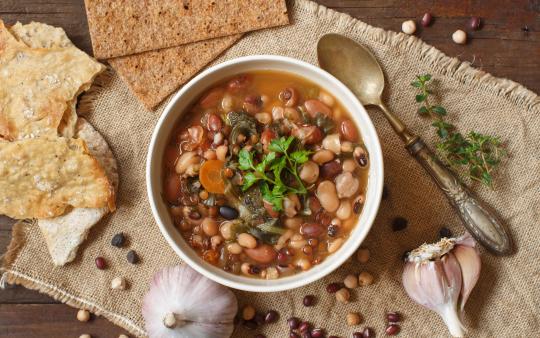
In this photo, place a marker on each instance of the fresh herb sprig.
(270, 170)
(478, 155)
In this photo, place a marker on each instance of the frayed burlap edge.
(429, 55)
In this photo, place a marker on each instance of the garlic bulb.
(441, 277)
(181, 303)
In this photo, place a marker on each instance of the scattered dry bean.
(357, 335)
(85, 336)
(392, 329)
(271, 317)
(408, 27)
(459, 37)
(353, 318)
(333, 287)
(343, 296)
(426, 19)
(351, 281)
(365, 278)
(83, 315)
(393, 317)
(368, 333)
(101, 263)
(132, 257)
(309, 300)
(475, 23)
(118, 283)
(445, 232)
(303, 327)
(293, 323)
(118, 240)
(317, 333)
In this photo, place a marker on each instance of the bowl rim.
(333, 261)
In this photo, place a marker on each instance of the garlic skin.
(181, 303)
(441, 277)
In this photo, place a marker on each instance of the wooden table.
(508, 45)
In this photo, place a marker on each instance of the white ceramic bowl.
(180, 104)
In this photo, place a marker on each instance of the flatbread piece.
(64, 234)
(42, 178)
(38, 84)
(154, 75)
(120, 28)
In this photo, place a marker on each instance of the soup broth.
(265, 175)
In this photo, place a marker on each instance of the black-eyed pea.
(334, 245)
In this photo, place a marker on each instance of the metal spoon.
(358, 69)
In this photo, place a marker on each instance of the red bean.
(262, 254)
(172, 188)
(426, 19)
(330, 170)
(393, 317)
(238, 83)
(214, 123)
(348, 130)
(392, 329)
(311, 229)
(315, 107)
(314, 204)
(100, 263)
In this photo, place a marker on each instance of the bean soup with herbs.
(265, 176)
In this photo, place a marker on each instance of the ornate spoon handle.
(478, 219)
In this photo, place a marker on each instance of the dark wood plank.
(51, 321)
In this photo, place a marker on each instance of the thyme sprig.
(475, 155)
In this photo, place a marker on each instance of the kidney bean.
(214, 123)
(293, 323)
(348, 130)
(314, 204)
(264, 253)
(330, 170)
(314, 107)
(392, 329)
(253, 104)
(172, 188)
(311, 229)
(238, 83)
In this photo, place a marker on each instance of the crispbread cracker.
(153, 75)
(42, 178)
(37, 84)
(119, 28)
(64, 234)
(40, 35)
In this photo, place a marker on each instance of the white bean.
(263, 118)
(326, 192)
(293, 223)
(247, 241)
(209, 226)
(346, 184)
(345, 210)
(335, 245)
(234, 248)
(326, 98)
(226, 230)
(297, 241)
(332, 143)
(186, 160)
(349, 165)
(322, 156)
(309, 172)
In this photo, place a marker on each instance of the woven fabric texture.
(506, 299)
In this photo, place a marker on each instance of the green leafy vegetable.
(476, 154)
(271, 170)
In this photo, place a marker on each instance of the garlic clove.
(181, 303)
(469, 261)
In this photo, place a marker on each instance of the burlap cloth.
(506, 301)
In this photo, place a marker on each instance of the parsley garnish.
(269, 172)
(478, 154)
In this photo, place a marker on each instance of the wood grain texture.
(501, 47)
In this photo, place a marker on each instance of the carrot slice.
(210, 176)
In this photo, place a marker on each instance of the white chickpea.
(83, 315)
(459, 37)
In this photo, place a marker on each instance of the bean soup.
(265, 176)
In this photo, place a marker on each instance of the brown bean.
(348, 130)
(323, 156)
(311, 229)
(214, 123)
(315, 107)
(253, 104)
(330, 170)
(172, 188)
(246, 240)
(289, 96)
(314, 204)
(264, 253)
(309, 172)
(209, 226)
